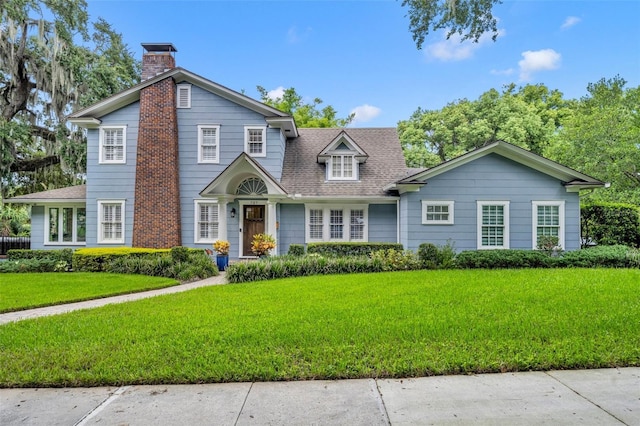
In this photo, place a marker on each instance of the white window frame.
(183, 88)
(331, 166)
(263, 129)
(201, 129)
(505, 234)
(101, 204)
(196, 229)
(101, 153)
(535, 225)
(74, 239)
(428, 203)
(326, 222)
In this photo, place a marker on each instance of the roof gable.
(340, 145)
(90, 116)
(572, 179)
(234, 174)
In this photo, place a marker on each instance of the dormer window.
(343, 157)
(341, 167)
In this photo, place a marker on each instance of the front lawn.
(396, 324)
(26, 291)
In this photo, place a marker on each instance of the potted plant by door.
(262, 244)
(222, 258)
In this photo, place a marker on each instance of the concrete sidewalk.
(584, 397)
(95, 303)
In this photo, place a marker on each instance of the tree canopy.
(45, 74)
(468, 18)
(305, 114)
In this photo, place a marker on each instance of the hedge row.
(63, 255)
(349, 249)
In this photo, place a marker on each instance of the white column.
(222, 219)
(271, 223)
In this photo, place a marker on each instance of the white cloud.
(276, 93)
(538, 60)
(364, 113)
(453, 50)
(508, 71)
(570, 22)
(295, 36)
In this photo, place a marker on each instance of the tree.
(527, 117)
(44, 75)
(601, 137)
(468, 18)
(305, 114)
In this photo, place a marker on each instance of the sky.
(359, 56)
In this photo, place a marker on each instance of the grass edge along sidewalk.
(400, 324)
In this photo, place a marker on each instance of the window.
(437, 212)
(207, 222)
(184, 96)
(111, 222)
(548, 220)
(493, 224)
(113, 144)
(254, 141)
(208, 144)
(336, 223)
(66, 225)
(341, 167)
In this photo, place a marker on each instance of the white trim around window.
(342, 167)
(336, 222)
(183, 96)
(493, 225)
(209, 143)
(206, 221)
(551, 214)
(437, 212)
(111, 214)
(255, 141)
(65, 225)
(112, 145)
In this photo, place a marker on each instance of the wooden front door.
(252, 224)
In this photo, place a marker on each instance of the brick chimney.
(156, 217)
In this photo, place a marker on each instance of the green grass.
(26, 291)
(397, 324)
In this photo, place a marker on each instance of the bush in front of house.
(396, 260)
(33, 265)
(59, 257)
(611, 224)
(503, 259)
(617, 256)
(350, 249)
(437, 257)
(296, 250)
(98, 259)
(183, 265)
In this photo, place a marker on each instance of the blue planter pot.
(222, 261)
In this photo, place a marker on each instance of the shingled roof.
(75, 194)
(302, 174)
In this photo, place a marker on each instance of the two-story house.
(181, 160)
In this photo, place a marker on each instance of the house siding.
(112, 181)
(208, 108)
(37, 227)
(291, 230)
(382, 223)
(489, 178)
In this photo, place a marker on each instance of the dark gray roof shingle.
(302, 174)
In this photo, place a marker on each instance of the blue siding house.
(181, 160)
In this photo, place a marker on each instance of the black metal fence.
(10, 243)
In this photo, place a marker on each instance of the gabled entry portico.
(246, 190)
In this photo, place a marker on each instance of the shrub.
(350, 249)
(396, 260)
(435, 257)
(262, 244)
(180, 254)
(508, 259)
(62, 255)
(98, 259)
(196, 265)
(602, 256)
(296, 250)
(33, 265)
(611, 224)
